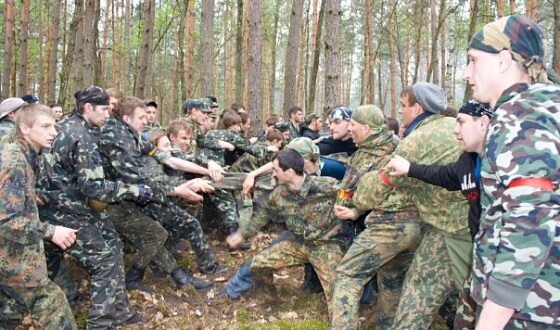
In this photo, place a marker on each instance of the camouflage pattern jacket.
(240, 145)
(431, 142)
(72, 171)
(517, 250)
(307, 213)
(22, 255)
(201, 140)
(247, 162)
(6, 126)
(122, 153)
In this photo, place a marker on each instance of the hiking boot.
(217, 269)
(133, 280)
(182, 279)
(311, 283)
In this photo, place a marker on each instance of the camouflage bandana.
(307, 149)
(476, 109)
(522, 37)
(370, 115)
(93, 95)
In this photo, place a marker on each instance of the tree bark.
(392, 64)
(146, 48)
(239, 53)
(272, 95)
(556, 43)
(332, 50)
(189, 50)
(291, 60)
(71, 54)
(207, 47)
(316, 56)
(22, 57)
(254, 101)
(434, 60)
(9, 9)
(53, 57)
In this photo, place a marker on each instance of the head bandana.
(341, 113)
(476, 109)
(370, 115)
(522, 37)
(307, 149)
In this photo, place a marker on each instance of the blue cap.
(30, 98)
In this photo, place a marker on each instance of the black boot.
(182, 279)
(311, 281)
(133, 280)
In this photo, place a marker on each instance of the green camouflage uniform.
(122, 152)
(72, 173)
(443, 258)
(317, 234)
(6, 126)
(517, 250)
(386, 245)
(294, 130)
(24, 284)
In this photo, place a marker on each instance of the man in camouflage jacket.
(71, 175)
(515, 277)
(24, 285)
(305, 204)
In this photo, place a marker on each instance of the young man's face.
(483, 75)
(41, 133)
(151, 113)
(96, 115)
(407, 111)
(57, 111)
(297, 117)
(317, 124)
(245, 127)
(182, 140)
(339, 129)
(164, 144)
(280, 175)
(470, 131)
(235, 128)
(137, 120)
(112, 103)
(358, 132)
(198, 116)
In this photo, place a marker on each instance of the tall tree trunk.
(272, 95)
(103, 52)
(531, 9)
(189, 53)
(44, 34)
(300, 84)
(146, 47)
(291, 60)
(53, 57)
(71, 56)
(434, 61)
(511, 7)
(9, 11)
(472, 29)
(207, 47)
(419, 22)
(254, 102)
(500, 8)
(316, 56)
(366, 97)
(332, 50)
(556, 50)
(239, 53)
(392, 64)
(22, 57)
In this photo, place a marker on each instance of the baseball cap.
(30, 98)
(10, 104)
(213, 101)
(196, 104)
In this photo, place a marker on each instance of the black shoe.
(311, 283)
(133, 280)
(182, 279)
(215, 270)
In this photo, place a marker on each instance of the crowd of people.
(462, 208)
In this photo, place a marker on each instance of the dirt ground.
(279, 305)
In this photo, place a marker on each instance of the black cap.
(93, 95)
(30, 99)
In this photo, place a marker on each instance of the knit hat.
(522, 37)
(476, 109)
(371, 115)
(431, 97)
(93, 95)
(341, 112)
(9, 105)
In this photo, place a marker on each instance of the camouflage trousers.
(220, 210)
(59, 272)
(147, 235)
(175, 218)
(466, 309)
(98, 249)
(47, 305)
(385, 249)
(438, 269)
(292, 252)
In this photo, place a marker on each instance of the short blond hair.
(28, 114)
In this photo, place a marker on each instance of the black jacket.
(454, 176)
(305, 131)
(330, 146)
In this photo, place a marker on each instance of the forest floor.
(278, 305)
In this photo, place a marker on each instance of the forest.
(268, 55)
